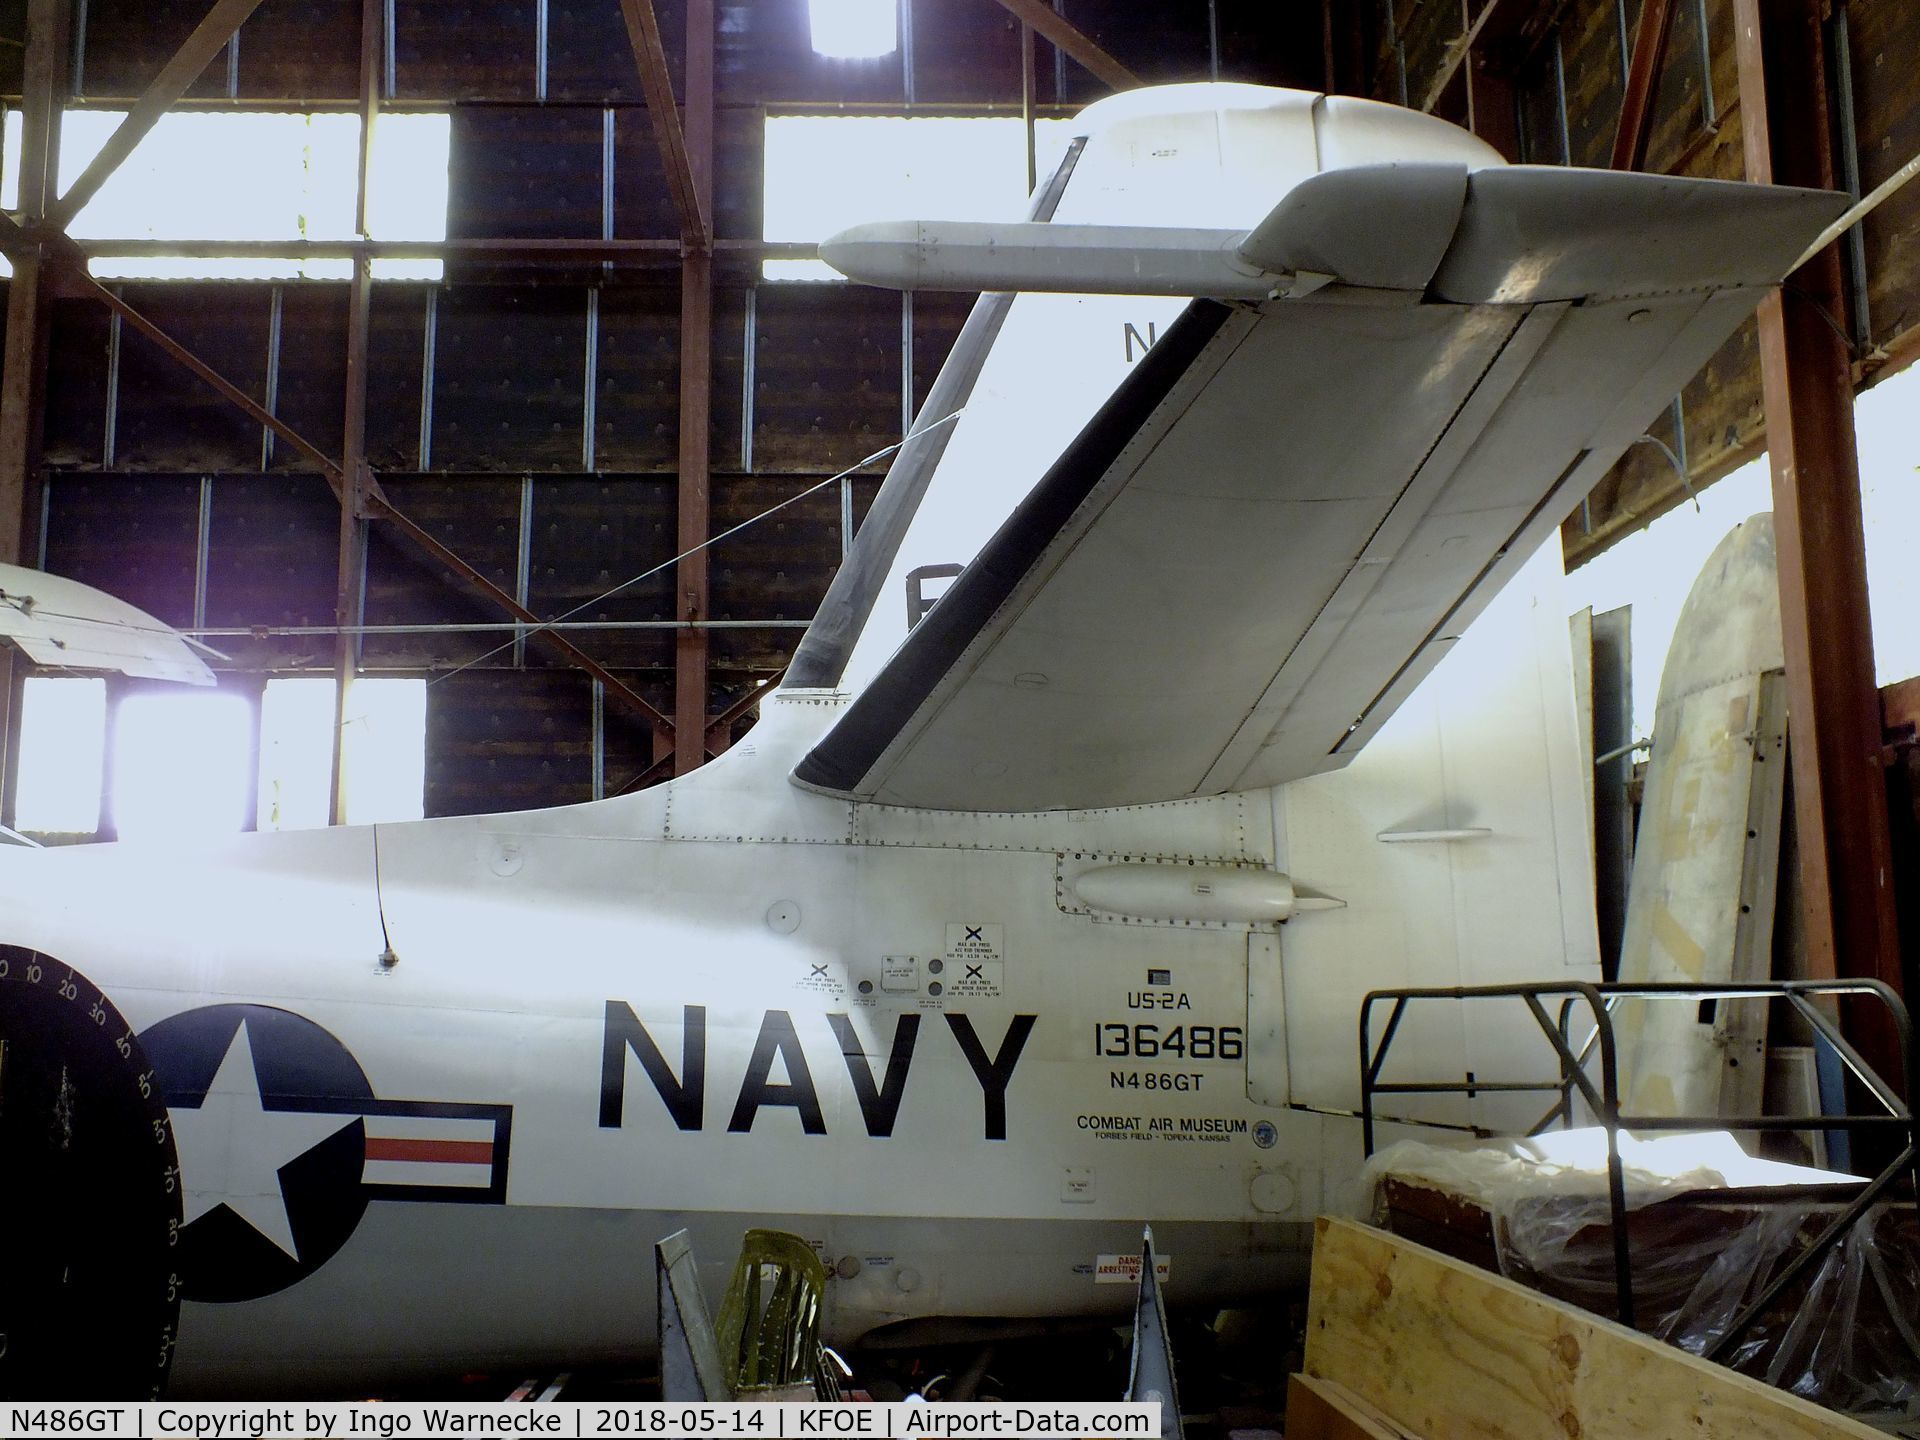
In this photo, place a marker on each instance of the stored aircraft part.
(690, 1366)
(63, 624)
(1150, 1375)
(1700, 900)
(769, 1327)
(1225, 583)
(1221, 893)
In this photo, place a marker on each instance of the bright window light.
(247, 175)
(384, 757)
(854, 29)
(1653, 569)
(826, 172)
(63, 729)
(296, 754)
(180, 765)
(386, 751)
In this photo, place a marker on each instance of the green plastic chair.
(769, 1327)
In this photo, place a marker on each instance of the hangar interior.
(471, 345)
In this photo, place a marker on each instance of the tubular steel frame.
(1604, 1099)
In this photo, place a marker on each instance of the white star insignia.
(232, 1148)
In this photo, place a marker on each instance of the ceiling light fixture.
(854, 29)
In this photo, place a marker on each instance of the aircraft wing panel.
(1286, 515)
(63, 624)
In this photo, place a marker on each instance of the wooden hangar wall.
(1545, 80)
(526, 415)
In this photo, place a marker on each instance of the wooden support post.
(1840, 806)
(696, 387)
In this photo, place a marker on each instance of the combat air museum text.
(904, 1420)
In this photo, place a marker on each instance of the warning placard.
(1125, 1269)
(975, 963)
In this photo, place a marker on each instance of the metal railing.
(1603, 1098)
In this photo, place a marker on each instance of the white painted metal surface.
(62, 624)
(437, 1088)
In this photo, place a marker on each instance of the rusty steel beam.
(611, 252)
(209, 37)
(350, 572)
(682, 167)
(1840, 804)
(1493, 106)
(23, 362)
(74, 278)
(1071, 41)
(1643, 78)
(381, 508)
(696, 402)
(720, 724)
(373, 501)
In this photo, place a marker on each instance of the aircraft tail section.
(1251, 540)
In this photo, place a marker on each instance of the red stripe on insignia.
(459, 1152)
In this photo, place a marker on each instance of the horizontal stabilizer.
(63, 624)
(1518, 234)
(1288, 512)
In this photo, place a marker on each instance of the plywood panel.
(273, 552)
(169, 418)
(76, 388)
(465, 49)
(509, 378)
(1322, 1410)
(127, 41)
(478, 518)
(312, 394)
(637, 399)
(301, 50)
(592, 535)
(827, 389)
(1886, 37)
(1476, 1354)
(505, 740)
(131, 536)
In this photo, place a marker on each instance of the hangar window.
(278, 177)
(63, 727)
(383, 757)
(179, 764)
(826, 172)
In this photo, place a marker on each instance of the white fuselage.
(436, 1088)
(531, 950)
